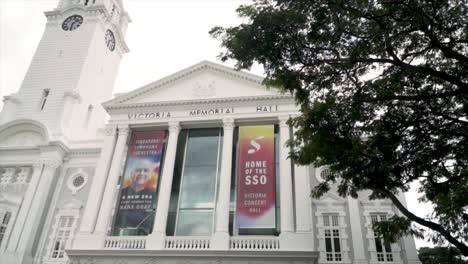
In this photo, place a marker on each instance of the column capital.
(283, 121)
(228, 123)
(48, 163)
(37, 165)
(123, 130)
(110, 130)
(174, 127)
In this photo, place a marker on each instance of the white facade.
(60, 164)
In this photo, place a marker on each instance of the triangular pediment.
(205, 80)
(329, 198)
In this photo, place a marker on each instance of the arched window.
(63, 230)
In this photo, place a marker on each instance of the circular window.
(77, 181)
(326, 173)
(323, 173)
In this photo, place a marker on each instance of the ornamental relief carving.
(204, 89)
(15, 178)
(23, 139)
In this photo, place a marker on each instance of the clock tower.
(73, 70)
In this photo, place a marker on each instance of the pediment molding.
(242, 99)
(329, 198)
(190, 71)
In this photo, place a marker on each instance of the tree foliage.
(440, 255)
(383, 91)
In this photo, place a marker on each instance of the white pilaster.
(221, 236)
(303, 200)
(409, 245)
(99, 180)
(359, 252)
(24, 209)
(31, 212)
(37, 206)
(112, 181)
(286, 187)
(97, 189)
(156, 239)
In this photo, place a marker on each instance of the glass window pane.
(378, 245)
(198, 187)
(202, 150)
(194, 223)
(328, 244)
(173, 201)
(388, 248)
(336, 242)
(171, 219)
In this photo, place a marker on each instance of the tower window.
(88, 116)
(45, 94)
(86, 2)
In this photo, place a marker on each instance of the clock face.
(110, 40)
(72, 22)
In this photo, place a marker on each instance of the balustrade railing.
(254, 243)
(193, 243)
(187, 243)
(125, 242)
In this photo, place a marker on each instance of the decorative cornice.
(204, 65)
(200, 101)
(85, 152)
(206, 254)
(48, 163)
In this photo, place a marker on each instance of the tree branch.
(434, 226)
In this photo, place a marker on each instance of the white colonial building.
(66, 172)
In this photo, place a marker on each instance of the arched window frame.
(331, 204)
(70, 208)
(379, 207)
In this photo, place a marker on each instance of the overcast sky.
(164, 37)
